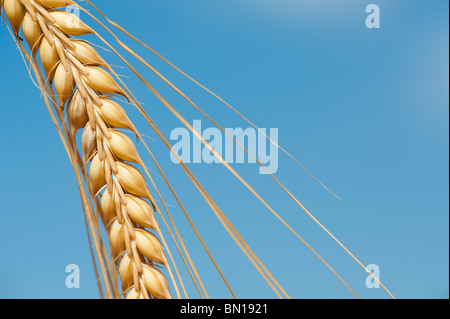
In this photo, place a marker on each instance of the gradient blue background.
(365, 110)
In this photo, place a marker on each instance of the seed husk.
(150, 246)
(126, 271)
(88, 141)
(76, 113)
(49, 58)
(141, 212)
(114, 114)
(102, 82)
(15, 13)
(132, 180)
(64, 84)
(133, 294)
(108, 206)
(86, 54)
(69, 23)
(97, 173)
(32, 32)
(117, 236)
(122, 147)
(156, 283)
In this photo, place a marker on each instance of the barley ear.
(78, 81)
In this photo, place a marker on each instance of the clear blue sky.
(365, 110)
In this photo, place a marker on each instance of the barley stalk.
(84, 91)
(81, 90)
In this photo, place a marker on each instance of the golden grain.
(77, 77)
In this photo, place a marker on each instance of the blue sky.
(365, 110)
